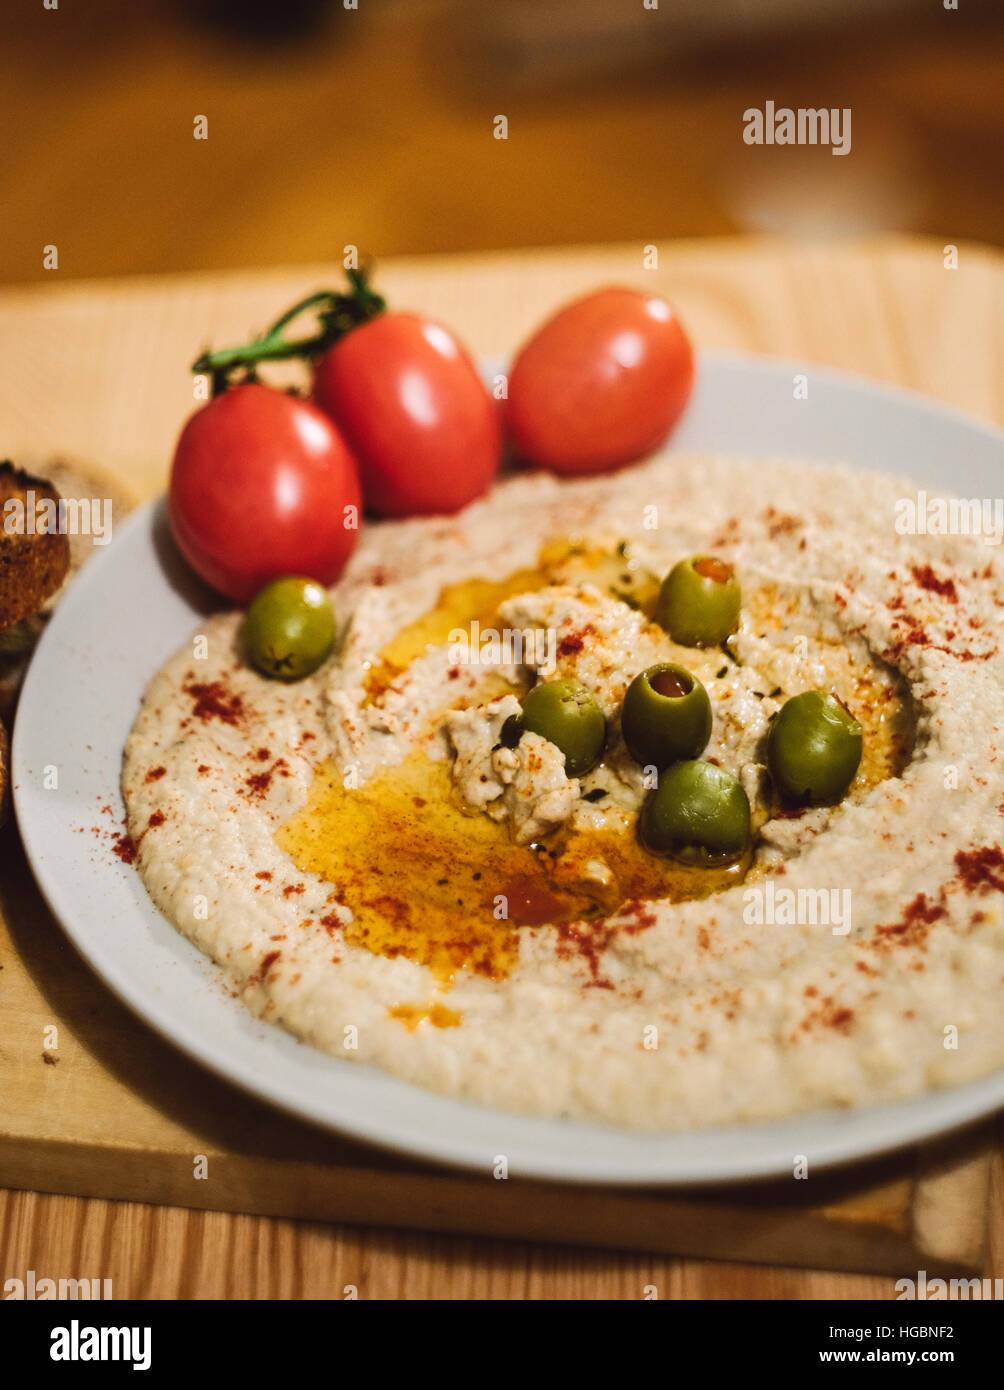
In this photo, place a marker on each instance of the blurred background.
(374, 126)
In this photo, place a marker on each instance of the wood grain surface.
(101, 372)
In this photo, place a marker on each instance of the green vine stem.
(337, 313)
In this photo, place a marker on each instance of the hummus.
(378, 869)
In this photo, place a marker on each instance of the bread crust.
(32, 565)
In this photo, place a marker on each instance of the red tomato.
(600, 384)
(259, 488)
(415, 412)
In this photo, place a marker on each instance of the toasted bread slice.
(33, 561)
(76, 479)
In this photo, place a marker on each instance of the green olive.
(698, 813)
(698, 603)
(814, 748)
(289, 628)
(567, 715)
(666, 716)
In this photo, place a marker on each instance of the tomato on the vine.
(600, 384)
(404, 396)
(415, 412)
(263, 485)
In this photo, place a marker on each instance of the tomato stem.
(337, 314)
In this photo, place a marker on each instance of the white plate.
(131, 608)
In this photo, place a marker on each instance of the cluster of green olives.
(698, 813)
(289, 629)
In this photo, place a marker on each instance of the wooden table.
(100, 371)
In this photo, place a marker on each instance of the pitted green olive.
(666, 716)
(699, 601)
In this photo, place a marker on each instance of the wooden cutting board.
(92, 1103)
